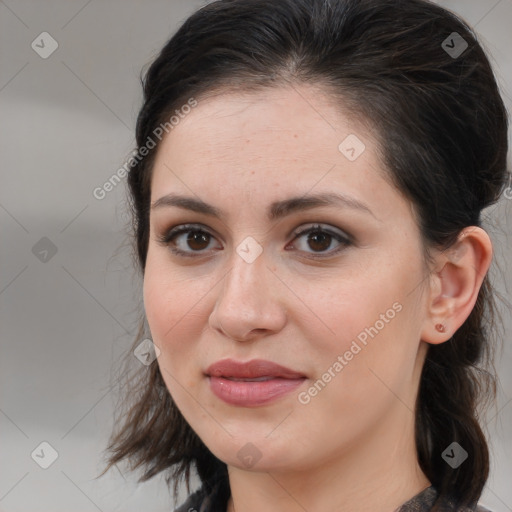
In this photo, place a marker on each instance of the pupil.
(321, 240)
(322, 237)
(195, 237)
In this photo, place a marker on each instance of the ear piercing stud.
(440, 328)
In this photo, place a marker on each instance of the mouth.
(254, 369)
(253, 383)
(255, 379)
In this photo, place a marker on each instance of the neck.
(378, 473)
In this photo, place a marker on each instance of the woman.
(306, 201)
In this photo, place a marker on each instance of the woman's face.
(341, 307)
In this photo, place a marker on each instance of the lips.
(253, 383)
(257, 369)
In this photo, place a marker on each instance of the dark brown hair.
(442, 131)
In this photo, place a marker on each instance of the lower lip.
(252, 394)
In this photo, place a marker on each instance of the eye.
(320, 239)
(197, 239)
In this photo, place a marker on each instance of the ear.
(454, 288)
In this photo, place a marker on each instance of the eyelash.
(167, 239)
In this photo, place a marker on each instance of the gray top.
(216, 499)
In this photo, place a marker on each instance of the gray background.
(66, 126)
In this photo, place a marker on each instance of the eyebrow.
(276, 210)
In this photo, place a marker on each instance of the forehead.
(274, 123)
(253, 129)
(272, 143)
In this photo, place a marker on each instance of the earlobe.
(454, 289)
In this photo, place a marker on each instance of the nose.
(250, 303)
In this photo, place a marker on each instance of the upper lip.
(251, 369)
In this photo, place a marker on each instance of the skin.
(351, 447)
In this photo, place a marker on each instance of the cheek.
(353, 303)
(176, 311)
(168, 311)
(166, 302)
(370, 318)
(367, 362)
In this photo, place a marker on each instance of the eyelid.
(342, 237)
(179, 229)
(326, 228)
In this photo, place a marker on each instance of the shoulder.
(478, 508)
(215, 500)
(193, 502)
(429, 499)
(211, 498)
